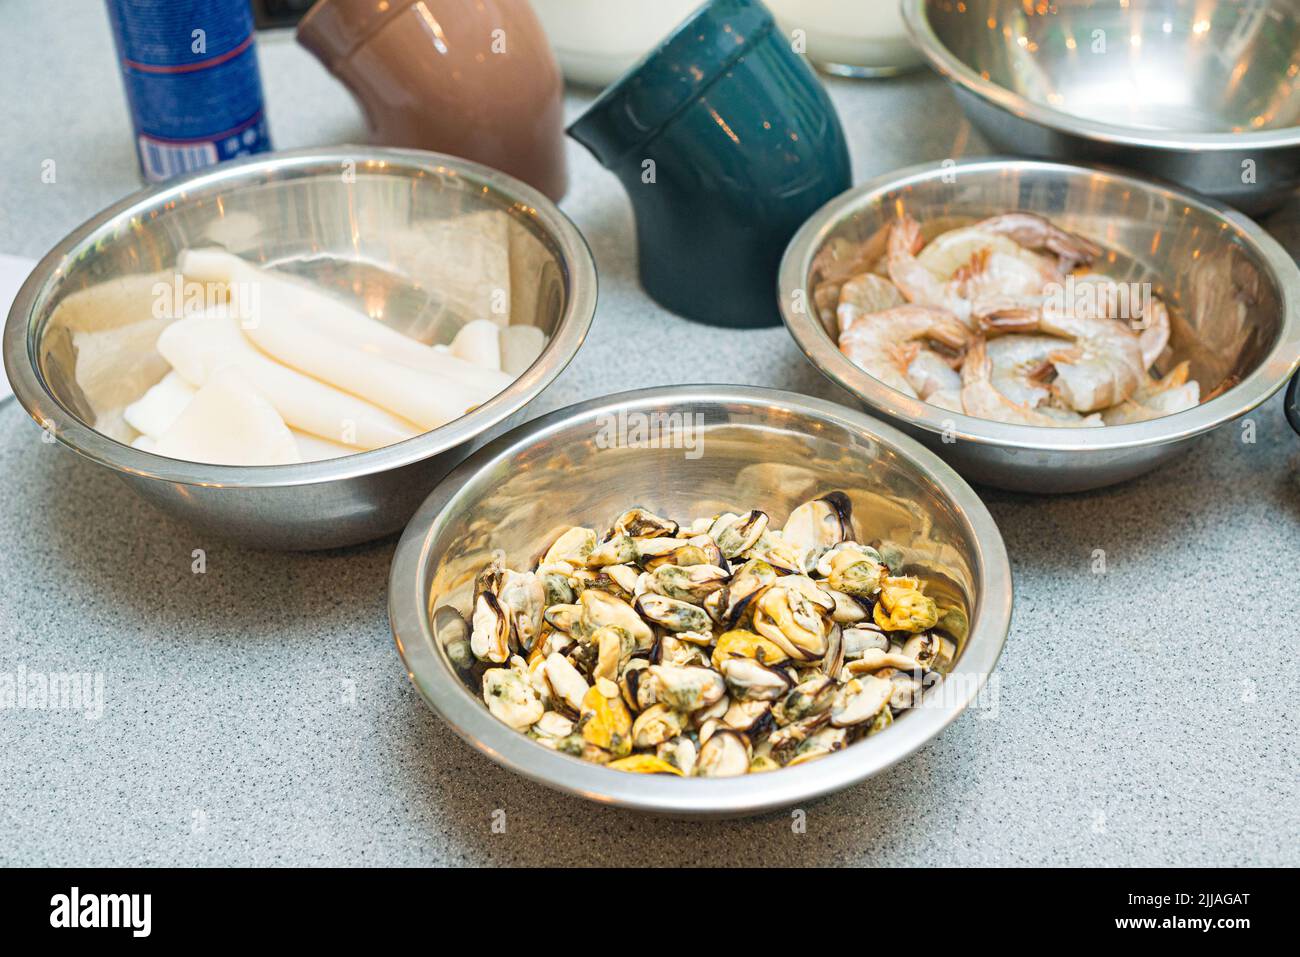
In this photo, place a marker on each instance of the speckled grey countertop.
(257, 713)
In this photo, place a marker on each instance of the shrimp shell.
(1103, 368)
(980, 397)
(884, 344)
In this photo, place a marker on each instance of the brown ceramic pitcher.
(473, 78)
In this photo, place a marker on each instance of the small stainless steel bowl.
(357, 220)
(687, 451)
(1204, 94)
(1234, 295)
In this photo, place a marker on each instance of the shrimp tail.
(905, 236)
(978, 368)
(966, 276)
(1177, 377)
(1005, 314)
(1039, 234)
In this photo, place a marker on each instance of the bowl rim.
(821, 350)
(29, 386)
(409, 613)
(916, 16)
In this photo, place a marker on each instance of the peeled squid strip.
(520, 347)
(479, 342)
(282, 295)
(153, 413)
(416, 396)
(199, 346)
(228, 423)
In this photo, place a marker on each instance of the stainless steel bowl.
(701, 449)
(1203, 94)
(358, 220)
(1234, 293)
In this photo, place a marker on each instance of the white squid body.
(288, 374)
(299, 305)
(200, 346)
(228, 423)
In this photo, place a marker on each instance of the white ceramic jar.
(596, 41)
(850, 37)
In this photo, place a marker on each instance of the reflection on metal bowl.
(1201, 94)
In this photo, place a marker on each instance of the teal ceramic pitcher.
(726, 142)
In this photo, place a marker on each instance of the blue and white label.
(192, 81)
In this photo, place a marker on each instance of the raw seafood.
(994, 266)
(1044, 343)
(154, 412)
(200, 346)
(888, 343)
(408, 393)
(273, 293)
(227, 421)
(479, 342)
(710, 649)
(980, 395)
(1102, 367)
(301, 375)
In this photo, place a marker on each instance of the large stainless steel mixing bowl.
(688, 451)
(366, 223)
(1205, 94)
(1234, 294)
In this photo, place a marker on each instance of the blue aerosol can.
(190, 69)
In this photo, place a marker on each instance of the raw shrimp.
(1020, 364)
(866, 296)
(1158, 397)
(949, 252)
(838, 262)
(928, 372)
(949, 399)
(992, 273)
(863, 295)
(886, 344)
(913, 279)
(1095, 296)
(1036, 233)
(842, 259)
(1102, 368)
(1054, 348)
(993, 267)
(980, 397)
(1068, 417)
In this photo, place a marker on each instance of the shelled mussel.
(715, 648)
